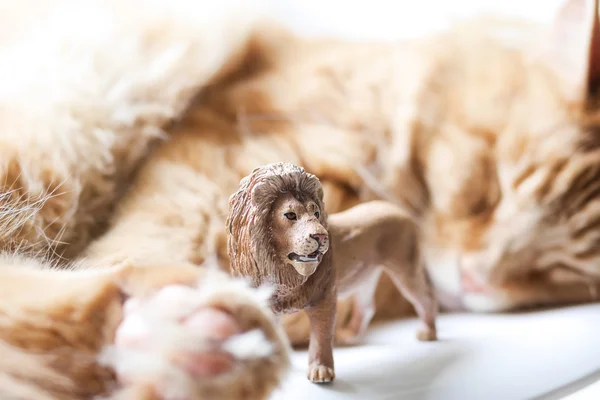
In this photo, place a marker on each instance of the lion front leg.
(320, 350)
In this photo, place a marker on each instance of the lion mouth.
(312, 257)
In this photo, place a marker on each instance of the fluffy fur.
(246, 364)
(483, 134)
(87, 91)
(64, 340)
(487, 134)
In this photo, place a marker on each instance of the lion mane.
(249, 244)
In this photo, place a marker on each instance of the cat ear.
(573, 50)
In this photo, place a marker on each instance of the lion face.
(277, 220)
(298, 235)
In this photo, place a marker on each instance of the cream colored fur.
(83, 95)
(489, 142)
(467, 131)
(62, 339)
(86, 89)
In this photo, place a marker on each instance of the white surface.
(588, 393)
(543, 355)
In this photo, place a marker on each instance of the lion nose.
(320, 237)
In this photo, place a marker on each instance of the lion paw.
(195, 342)
(427, 334)
(320, 374)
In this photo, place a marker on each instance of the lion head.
(277, 225)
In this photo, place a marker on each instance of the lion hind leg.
(416, 287)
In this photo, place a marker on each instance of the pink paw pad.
(145, 320)
(218, 326)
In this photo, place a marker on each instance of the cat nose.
(320, 237)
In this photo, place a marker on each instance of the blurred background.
(385, 19)
(355, 19)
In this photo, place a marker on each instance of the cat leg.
(52, 326)
(91, 333)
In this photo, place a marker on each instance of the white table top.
(542, 355)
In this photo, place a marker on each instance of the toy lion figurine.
(279, 234)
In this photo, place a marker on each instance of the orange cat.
(486, 135)
(83, 94)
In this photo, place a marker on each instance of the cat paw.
(203, 333)
(213, 339)
(320, 374)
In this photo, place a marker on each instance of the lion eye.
(290, 216)
(317, 214)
